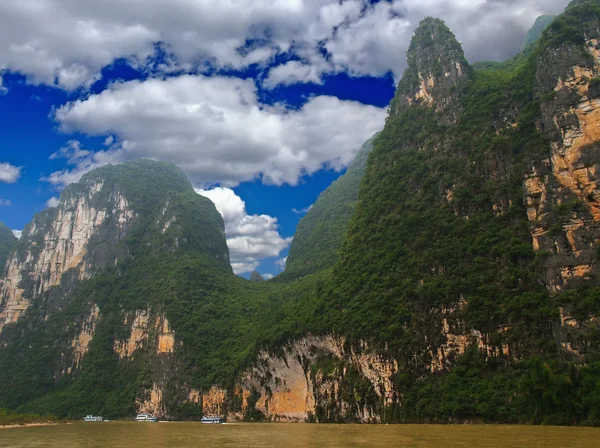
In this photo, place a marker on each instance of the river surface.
(176, 435)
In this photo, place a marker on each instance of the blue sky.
(268, 101)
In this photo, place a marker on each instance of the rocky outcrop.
(65, 245)
(437, 72)
(82, 341)
(315, 378)
(151, 333)
(146, 330)
(562, 191)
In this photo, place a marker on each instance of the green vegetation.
(8, 241)
(321, 232)
(8, 418)
(534, 34)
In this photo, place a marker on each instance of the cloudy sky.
(262, 103)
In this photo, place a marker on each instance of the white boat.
(93, 418)
(146, 418)
(211, 420)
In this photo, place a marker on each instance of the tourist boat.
(211, 420)
(93, 418)
(146, 418)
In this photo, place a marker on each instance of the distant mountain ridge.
(320, 233)
(535, 32)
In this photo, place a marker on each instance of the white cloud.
(294, 72)
(268, 276)
(281, 263)
(3, 89)
(8, 173)
(302, 211)
(216, 130)
(17, 233)
(52, 202)
(67, 42)
(80, 161)
(5, 202)
(33, 40)
(250, 238)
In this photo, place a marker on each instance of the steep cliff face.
(437, 72)
(562, 190)
(312, 379)
(66, 244)
(100, 276)
(473, 250)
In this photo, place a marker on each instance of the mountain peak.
(437, 70)
(536, 31)
(256, 277)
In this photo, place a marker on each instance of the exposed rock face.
(315, 378)
(88, 290)
(437, 72)
(81, 342)
(59, 242)
(561, 191)
(152, 333)
(139, 328)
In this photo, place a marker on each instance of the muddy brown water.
(177, 435)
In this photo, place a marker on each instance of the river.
(177, 435)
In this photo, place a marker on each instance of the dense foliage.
(8, 418)
(441, 225)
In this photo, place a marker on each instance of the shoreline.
(28, 425)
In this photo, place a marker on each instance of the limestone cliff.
(562, 191)
(96, 276)
(66, 244)
(437, 72)
(311, 379)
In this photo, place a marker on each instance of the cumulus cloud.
(215, 129)
(268, 276)
(359, 36)
(250, 238)
(17, 233)
(294, 72)
(52, 202)
(80, 161)
(9, 174)
(5, 202)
